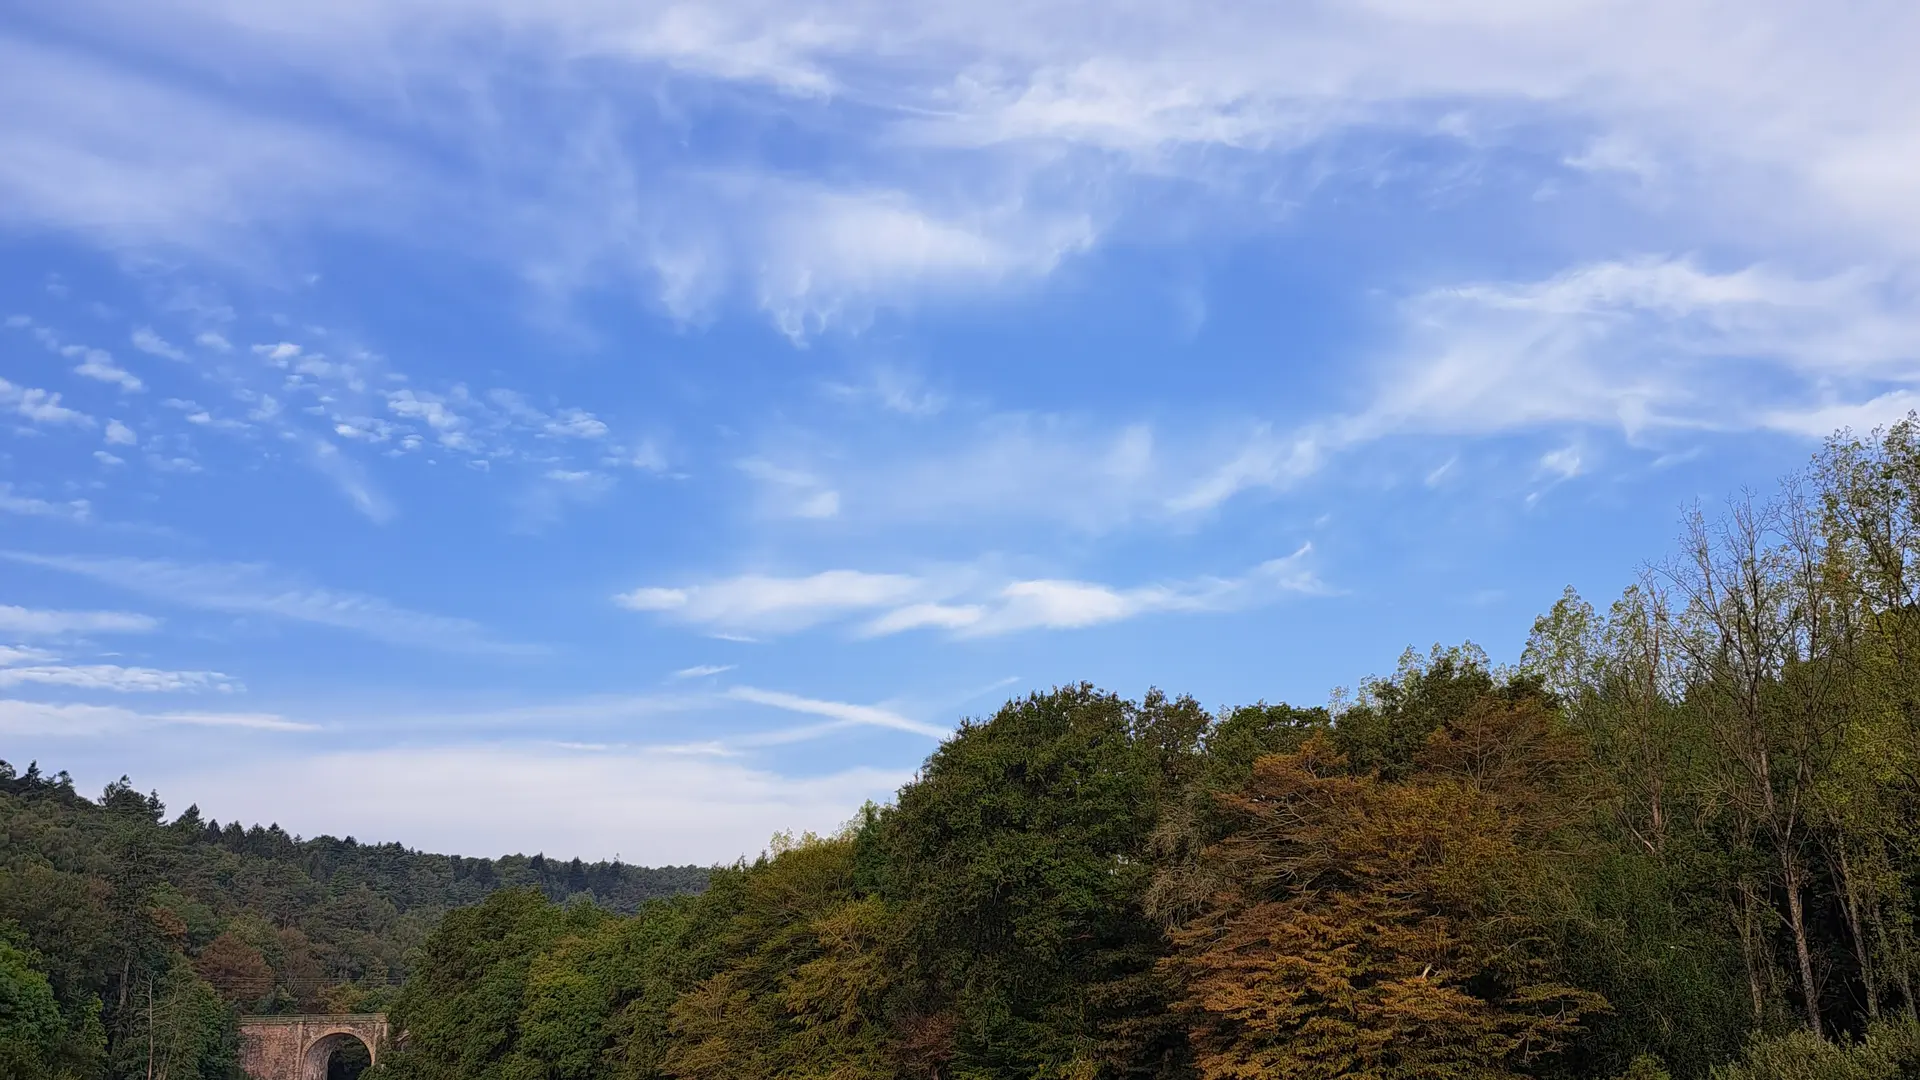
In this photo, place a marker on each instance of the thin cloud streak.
(116, 679)
(30, 622)
(964, 603)
(84, 721)
(252, 589)
(869, 715)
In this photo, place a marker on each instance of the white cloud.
(214, 341)
(41, 718)
(826, 254)
(1641, 346)
(350, 480)
(760, 603)
(117, 679)
(965, 602)
(926, 616)
(1266, 460)
(98, 365)
(543, 503)
(1562, 464)
(40, 406)
(576, 424)
(84, 721)
(1637, 344)
(1817, 421)
(852, 715)
(20, 654)
(147, 341)
(1007, 466)
(119, 434)
(249, 721)
(647, 457)
(251, 589)
(701, 671)
(27, 506)
(175, 464)
(39, 623)
(448, 426)
(1035, 99)
(131, 160)
(970, 146)
(648, 806)
(820, 504)
(791, 492)
(1054, 604)
(893, 389)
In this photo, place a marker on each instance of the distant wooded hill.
(114, 903)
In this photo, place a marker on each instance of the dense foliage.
(129, 943)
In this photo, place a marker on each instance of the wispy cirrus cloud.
(92, 721)
(33, 622)
(763, 603)
(117, 679)
(966, 602)
(147, 341)
(995, 141)
(12, 502)
(1641, 347)
(840, 713)
(252, 589)
(248, 721)
(213, 169)
(20, 654)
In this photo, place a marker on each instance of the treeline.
(129, 943)
(1676, 840)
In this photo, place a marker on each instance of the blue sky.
(621, 427)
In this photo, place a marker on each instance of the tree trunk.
(149, 1027)
(1749, 951)
(1797, 922)
(1850, 905)
(1897, 956)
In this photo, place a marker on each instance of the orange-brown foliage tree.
(1376, 928)
(235, 969)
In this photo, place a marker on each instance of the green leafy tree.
(1020, 860)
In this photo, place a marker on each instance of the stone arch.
(320, 1051)
(297, 1047)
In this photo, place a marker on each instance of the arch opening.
(349, 1060)
(341, 1055)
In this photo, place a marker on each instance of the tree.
(1019, 861)
(36, 1041)
(1761, 673)
(800, 978)
(460, 1019)
(1381, 927)
(236, 970)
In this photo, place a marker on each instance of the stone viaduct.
(297, 1047)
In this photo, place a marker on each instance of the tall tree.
(1763, 673)
(1376, 927)
(1020, 859)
